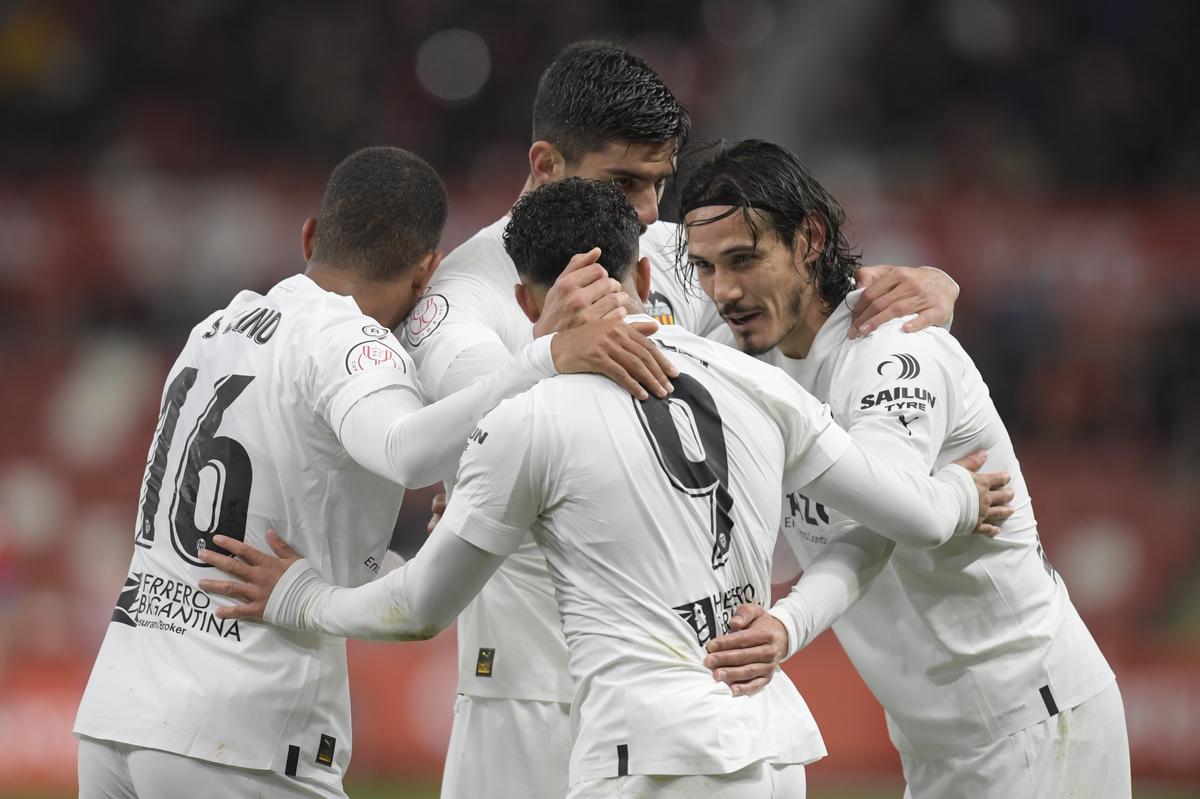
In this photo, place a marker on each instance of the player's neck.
(375, 299)
(797, 343)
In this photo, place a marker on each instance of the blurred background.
(157, 157)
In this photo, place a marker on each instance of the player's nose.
(646, 206)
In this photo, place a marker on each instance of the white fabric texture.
(507, 747)
(109, 770)
(759, 780)
(466, 326)
(1083, 751)
(957, 642)
(248, 437)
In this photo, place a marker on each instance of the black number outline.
(708, 478)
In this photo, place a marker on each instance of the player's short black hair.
(596, 92)
(384, 208)
(561, 219)
(755, 174)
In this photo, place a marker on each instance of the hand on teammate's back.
(745, 658)
(619, 351)
(994, 494)
(582, 293)
(258, 571)
(894, 291)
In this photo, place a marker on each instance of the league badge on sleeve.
(660, 308)
(425, 318)
(373, 355)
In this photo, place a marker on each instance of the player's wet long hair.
(596, 92)
(755, 175)
(384, 209)
(559, 220)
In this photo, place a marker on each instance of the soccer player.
(600, 112)
(297, 409)
(656, 518)
(992, 685)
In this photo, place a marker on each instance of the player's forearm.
(422, 446)
(911, 509)
(414, 602)
(831, 585)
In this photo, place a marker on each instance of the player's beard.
(794, 305)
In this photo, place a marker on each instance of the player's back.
(245, 442)
(660, 520)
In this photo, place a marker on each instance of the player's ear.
(528, 302)
(813, 232)
(424, 270)
(546, 163)
(641, 278)
(308, 237)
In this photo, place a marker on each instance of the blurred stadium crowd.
(157, 157)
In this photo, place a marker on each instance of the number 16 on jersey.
(210, 489)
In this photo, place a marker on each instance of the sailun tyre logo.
(909, 368)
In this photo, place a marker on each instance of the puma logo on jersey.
(907, 422)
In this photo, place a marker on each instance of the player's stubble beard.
(794, 304)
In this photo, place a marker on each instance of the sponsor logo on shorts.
(908, 365)
(373, 355)
(426, 316)
(152, 602)
(709, 616)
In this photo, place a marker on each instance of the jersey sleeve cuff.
(487, 534)
(789, 624)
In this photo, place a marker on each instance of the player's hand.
(994, 494)
(437, 507)
(582, 293)
(619, 351)
(894, 291)
(258, 571)
(746, 657)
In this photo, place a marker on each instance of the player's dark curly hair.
(557, 221)
(596, 92)
(755, 174)
(383, 210)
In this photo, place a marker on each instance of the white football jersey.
(246, 441)
(657, 519)
(973, 640)
(465, 326)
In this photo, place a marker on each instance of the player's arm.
(746, 657)
(392, 435)
(909, 507)
(895, 291)
(498, 497)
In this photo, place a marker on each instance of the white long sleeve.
(414, 602)
(909, 508)
(832, 583)
(390, 433)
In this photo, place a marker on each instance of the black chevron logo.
(909, 368)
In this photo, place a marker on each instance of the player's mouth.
(741, 321)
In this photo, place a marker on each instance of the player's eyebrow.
(622, 172)
(738, 249)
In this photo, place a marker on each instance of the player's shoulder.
(660, 243)
(479, 261)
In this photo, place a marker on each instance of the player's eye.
(624, 184)
(703, 267)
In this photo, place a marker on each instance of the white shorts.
(1082, 752)
(759, 780)
(111, 770)
(507, 748)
